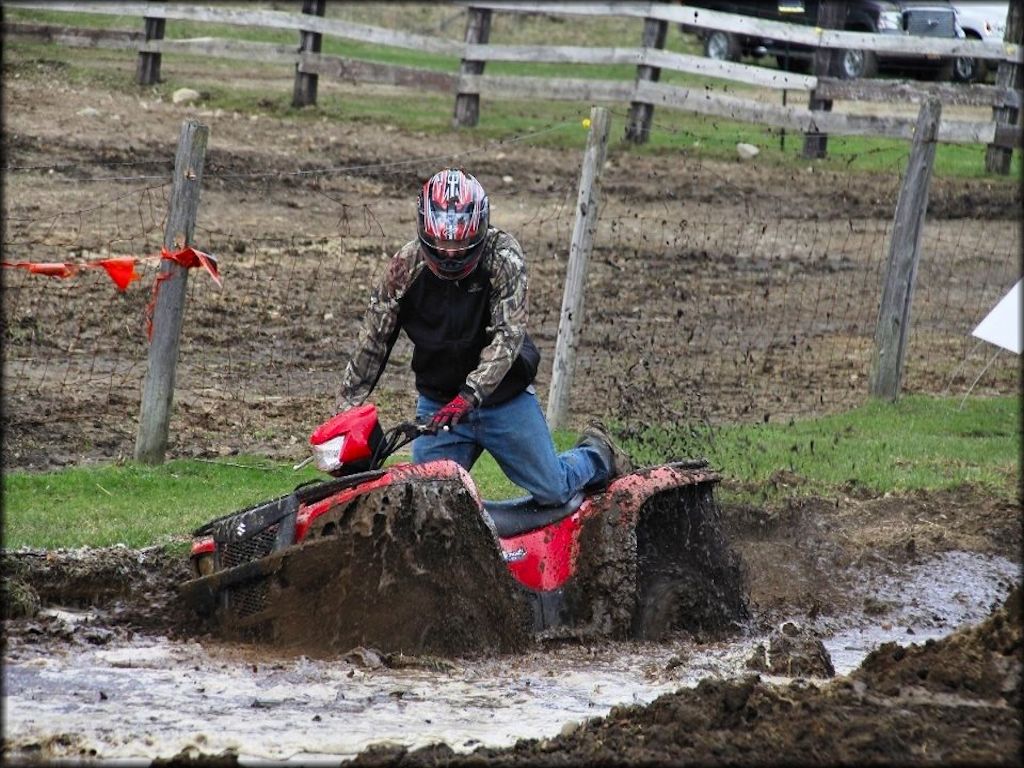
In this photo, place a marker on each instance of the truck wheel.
(722, 46)
(853, 64)
(963, 69)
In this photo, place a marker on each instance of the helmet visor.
(452, 232)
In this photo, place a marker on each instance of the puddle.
(934, 599)
(151, 697)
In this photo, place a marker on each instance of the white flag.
(1001, 326)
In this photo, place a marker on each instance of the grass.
(134, 504)
(919, 443)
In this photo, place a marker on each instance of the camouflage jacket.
(468, 335)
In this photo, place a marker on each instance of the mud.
(409, 569)
(919, 699)
(137, 589)
(753, 721)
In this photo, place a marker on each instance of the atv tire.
(659, 607)
(688, 577)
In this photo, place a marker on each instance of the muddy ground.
(718, 290)
(665, 345)
(952, 700)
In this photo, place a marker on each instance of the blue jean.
(516, 434)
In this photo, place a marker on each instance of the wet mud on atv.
(408, 559)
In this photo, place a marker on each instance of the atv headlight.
(890, 20)
(204, 565)
(327, 454)
(204, 556)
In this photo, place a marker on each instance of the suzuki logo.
(240, 528)
(511, 557)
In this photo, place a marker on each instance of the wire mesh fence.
(708, 300)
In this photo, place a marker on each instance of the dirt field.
(717, 290)
(704, 302)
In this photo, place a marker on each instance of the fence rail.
(1003, 132)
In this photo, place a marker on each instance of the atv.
(407, 558)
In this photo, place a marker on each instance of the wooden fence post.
(147, 69)
(571, 316)
(831, 15)
(467, 105)
(1009, 75)
(169, 309)
(304, 92)
(893, 327)
(638, 126)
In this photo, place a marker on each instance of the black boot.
(614, 460)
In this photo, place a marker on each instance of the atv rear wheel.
(658, 607)
(688, 577)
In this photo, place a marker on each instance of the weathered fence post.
(904, 253)
(638, 127)
(304, 92)
(583, 230)
(147, 70)
(158, 388)
(831, 15)
(478, 32)
(1009, 75)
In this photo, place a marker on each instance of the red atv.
(408, 558)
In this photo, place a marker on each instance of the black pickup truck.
(932, 18)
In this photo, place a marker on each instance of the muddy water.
(145, 697)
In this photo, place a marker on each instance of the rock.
(370, 658)
(185, 96)
(792, 651)
(88, 112)
(747, 151)
(19, 599)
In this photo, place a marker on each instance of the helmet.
(452, 217)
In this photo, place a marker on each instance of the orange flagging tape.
(120, 268)
(188, 258)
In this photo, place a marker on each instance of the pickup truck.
(979, 21)
(934, 18)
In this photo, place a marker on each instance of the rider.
(459, 292)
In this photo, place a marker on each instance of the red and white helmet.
(452, 217)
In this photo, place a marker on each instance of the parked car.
(932, 18)
(979, 21)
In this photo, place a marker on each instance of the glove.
(454, 412)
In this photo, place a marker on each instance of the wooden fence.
(644, 93)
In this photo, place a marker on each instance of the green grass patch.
(134, 504)
(918, 443)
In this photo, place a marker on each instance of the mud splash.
(410, 567)
(144, 696)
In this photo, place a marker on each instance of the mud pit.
(858, 577)
(111, 644)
